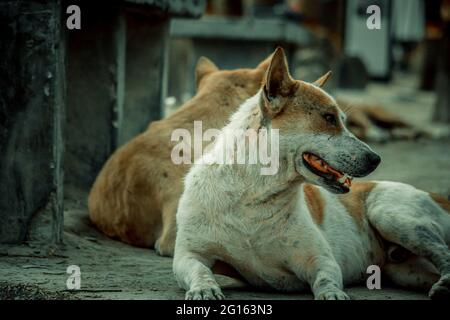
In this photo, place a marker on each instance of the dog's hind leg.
(424, 239)
(415, 273)
(410, 218)
(165, 244)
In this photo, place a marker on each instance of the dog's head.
(312, 129)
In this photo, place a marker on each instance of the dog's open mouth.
(321, 168)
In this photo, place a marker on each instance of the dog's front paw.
(205, 293)
(334, 294)
(441, 289)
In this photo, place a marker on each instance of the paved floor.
(113, 270)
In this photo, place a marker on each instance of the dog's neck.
(256, 189)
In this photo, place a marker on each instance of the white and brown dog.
(302, 228)
(135, 196)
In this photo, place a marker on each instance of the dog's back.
(135, 196)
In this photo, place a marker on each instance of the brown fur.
(355, 200)
(440, 200)
(303, 103)
(315, 202)
(323, 79)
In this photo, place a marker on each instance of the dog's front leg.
(193, 273)
(324, 276)
(327, 280)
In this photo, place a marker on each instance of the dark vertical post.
(147, 41)
(31, 116)
(116, 75)
(96, 69)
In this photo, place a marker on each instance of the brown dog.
(375, 123)
(135, 196)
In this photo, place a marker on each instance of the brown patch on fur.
(315, 202)
(308, 105)
(440, 200)
(355, 201)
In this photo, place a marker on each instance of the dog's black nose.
(373, 160)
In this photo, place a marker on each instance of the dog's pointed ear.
(263, 65)
(278, 82)
(204, 67)
(322, 80)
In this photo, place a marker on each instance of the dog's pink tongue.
(321, 165)
(348, 182)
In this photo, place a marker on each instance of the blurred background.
(318, 36)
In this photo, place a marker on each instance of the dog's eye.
(330, 118)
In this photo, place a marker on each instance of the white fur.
(262, 226)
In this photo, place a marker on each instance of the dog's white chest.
(261, 269)
(252, 255)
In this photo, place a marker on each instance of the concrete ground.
(113, 270)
